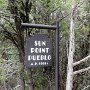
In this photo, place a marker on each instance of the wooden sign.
(38, 51)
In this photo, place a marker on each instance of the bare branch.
(9, 35)
(9, 23)
(83, 60)
(82, 70)
(86, 87)
(15, 88)
(53, 10)
(9, 15)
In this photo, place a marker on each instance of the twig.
(80, 71)
(9, 23)
(83, 60)
(86, 87)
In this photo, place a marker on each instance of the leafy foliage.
(12, 39)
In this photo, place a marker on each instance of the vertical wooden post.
(57, 59)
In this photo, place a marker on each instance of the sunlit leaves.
(3, 4)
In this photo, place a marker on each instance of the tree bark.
(69, 83)
(18, 17)
(30, 81)
(70, 63)
(21, 80)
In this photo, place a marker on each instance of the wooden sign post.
(38, 53)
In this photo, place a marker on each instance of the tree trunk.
(29, 73)
(70, 62)
(69, 83)
(18, 40)
(30, 81)
(21, 78)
